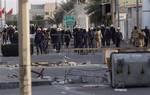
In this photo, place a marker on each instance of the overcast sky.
(13, 3)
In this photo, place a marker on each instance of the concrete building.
(37, 10)
(129, 2)
(44, 10)
(146, 13)
(49, 9)
(128, 16)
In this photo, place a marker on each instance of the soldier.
(108, 36)
(58, 39)
(147, 36)
(135, 37)
(39, 37)
(53, 37)
(103, 34)
(45, 40)
(91, 37)
(4, 35)
(98, 37)
(68, 37)
(113, 31)
(10, 33)
(141, 38)
(118, 37)
(85, 38)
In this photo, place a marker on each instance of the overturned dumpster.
(130, 69)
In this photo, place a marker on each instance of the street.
(75, 47)
(76, 90)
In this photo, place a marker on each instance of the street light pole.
(113, 11)
(24, 48)
(137, 12)
(5, 11)
(118, 13)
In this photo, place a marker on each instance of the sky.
(13, 3)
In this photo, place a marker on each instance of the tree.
(97, 14)
(38, 17)
(64, 8)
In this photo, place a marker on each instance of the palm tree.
(96, 12)
(64, 8)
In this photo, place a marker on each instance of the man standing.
(108, 36)
(103, 35)
(118, 37)
(135, 36)
(113, 31)
(39, 37)
(147, 36)
(98, 37)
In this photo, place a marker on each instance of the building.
(129, 2)
(46, 11)
(37, 10)
(128, 16)
(49, 9)
(146, 13)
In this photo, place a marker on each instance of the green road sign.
(69, 21)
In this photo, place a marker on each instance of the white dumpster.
(130, 69)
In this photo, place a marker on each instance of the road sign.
(69, 21)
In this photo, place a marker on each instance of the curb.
(12, 85)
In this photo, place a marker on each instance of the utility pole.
(113, 11)
(1, 17)
(118, 13)
(5, 11)
(24, 48)
(56, 7)
(126, 7)
(137, 12)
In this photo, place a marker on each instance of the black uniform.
(113, 31)
(118, 38)
(67, 36)
(147, 37)
(108, 36)
(103, 36)
(39, 38)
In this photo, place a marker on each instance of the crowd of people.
(9, 34)
(140, 37)
(94, 37)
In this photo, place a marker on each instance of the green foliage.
(39, 18)
(12, 22)
(38, 22)
(64, 8)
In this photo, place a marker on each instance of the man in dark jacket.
(108, 36)
(103, 35)
(147, 36)
(113, 31)
(39, 37)
(118, 37)
(67, 37)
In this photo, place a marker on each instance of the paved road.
(94, 58)
(76, 90)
